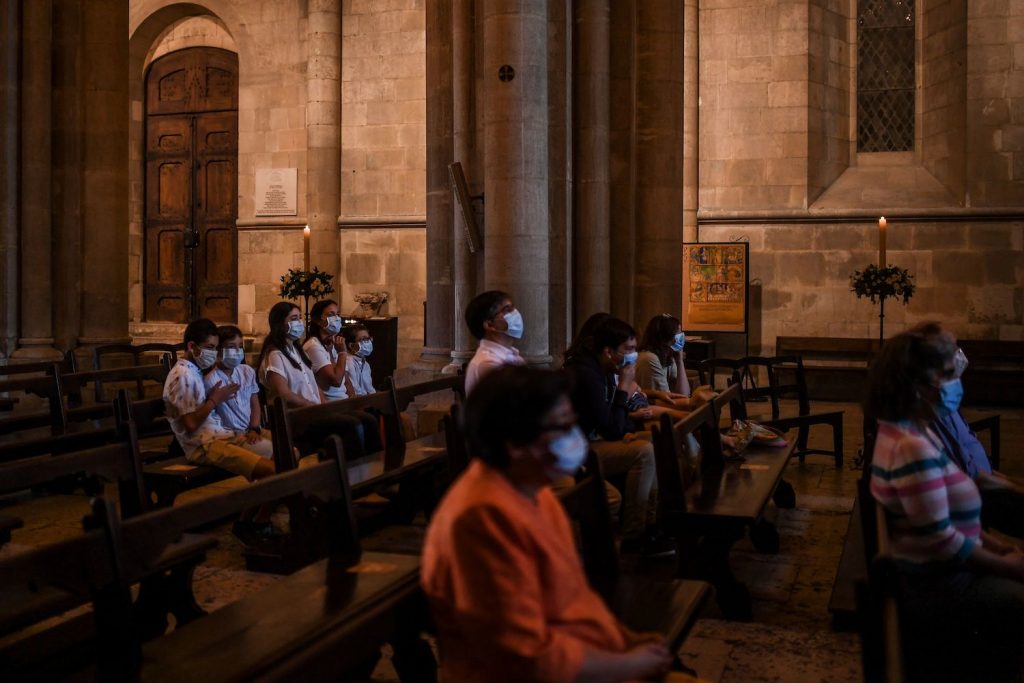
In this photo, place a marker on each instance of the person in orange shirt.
(500, 567)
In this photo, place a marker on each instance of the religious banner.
(715, 284)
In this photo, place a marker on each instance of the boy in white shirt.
(360, 346)
(241, 413)
(192, 410)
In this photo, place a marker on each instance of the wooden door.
(191, 264)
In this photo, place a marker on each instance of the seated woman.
(500, 567)
(961, 589)
(659, 369)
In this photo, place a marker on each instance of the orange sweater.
(507, 588)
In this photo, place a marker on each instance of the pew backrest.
(45, 387)
(133, 355)
(404, 396)
(9, 370)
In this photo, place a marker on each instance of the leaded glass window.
(885, 75)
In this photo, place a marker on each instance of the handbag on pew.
(742, 433)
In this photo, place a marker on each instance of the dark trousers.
(1003, 510)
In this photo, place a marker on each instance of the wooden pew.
(316, 624)
(456, 384)
(132, 355)
(836, 367)
(49, 419)
(9, 370)
(642, 603)
(708, 508)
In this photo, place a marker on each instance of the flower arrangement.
(879, 284)
(306, 284)
(372, 301)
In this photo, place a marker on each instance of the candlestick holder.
(881, 283)
(306, 284)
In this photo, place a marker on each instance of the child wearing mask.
(192, 407)
(360, 346)
(241, 413)
(493, 319)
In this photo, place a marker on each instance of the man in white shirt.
(493, 319)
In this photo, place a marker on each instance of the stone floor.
(790, 638)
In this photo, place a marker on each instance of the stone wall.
(829, 95)
(383, 114)
(754, 104)
(941, 116)
(968, 275)
(395, 261)
(995, 102)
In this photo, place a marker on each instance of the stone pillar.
(36, 339)
(658, 156)
(691, 119)
(515, 115)
(591, 205)
(10, 57)
(437, 341)
(323, 134)
(104, 82)
(67, 171)
(464, 263)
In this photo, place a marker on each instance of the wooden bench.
(129, 355)
(708, 508)
(642, 603)
(316, 624)
(49, 418)
(12, 370)
(455, 384)
(836, 368)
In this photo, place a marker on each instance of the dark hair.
(314, 317)
(482, 308)
(350, 332)
(612, 333)
(198, 331)
(226, 333)
(583, 343)
(659, 335)
(507, 406)
(907, 363)
(277, 337)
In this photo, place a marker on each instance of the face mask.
(629, 359)
(231, 358)
(333, 324)
(678, 342)
(296, 329)
(570, 451)
(206, 358)
(365, 348)
(951, 393)
(514, 320)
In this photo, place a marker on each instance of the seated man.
(603, 372)
(1002, 498)
(192, 410)
(494, 320)
(500, 568)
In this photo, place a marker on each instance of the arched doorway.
(191, 156)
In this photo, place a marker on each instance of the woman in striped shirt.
(961, 588)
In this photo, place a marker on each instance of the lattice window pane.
(885, 75)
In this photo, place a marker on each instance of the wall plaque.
(715, 286)
(276, 192)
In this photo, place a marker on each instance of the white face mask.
(232, 358)
(365, 348)
(333, 324)
(206, 358)
(570, 450)
(514, 320)
(296, 329)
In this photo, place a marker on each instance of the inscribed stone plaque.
(276, 192)
(715, 280)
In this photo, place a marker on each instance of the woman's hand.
(643, 414)
(339, 345)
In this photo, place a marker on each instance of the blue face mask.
(951, 393)
(678, 342)
(296, 329)
(365, 348)
(231, 358)
(629, 359)
(333, 324)
(514, 320)
(570, 450)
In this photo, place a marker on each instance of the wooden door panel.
(191, 259)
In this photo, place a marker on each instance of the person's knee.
(263, 468)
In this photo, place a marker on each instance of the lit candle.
(305, 246)
(881, 242)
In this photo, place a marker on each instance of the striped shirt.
(933, 508)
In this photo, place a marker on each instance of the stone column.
(36, 339)
(10, 56)
(437, 341)
(464, 263)
(591, 205)
(67, 171)
(104, 82)
(691, 118)
(323, 134)
(515, 117)
(658, 158)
